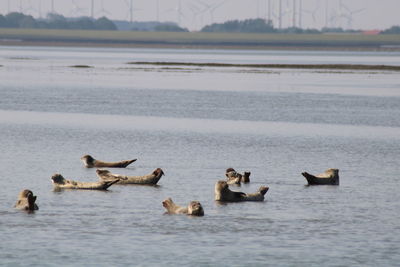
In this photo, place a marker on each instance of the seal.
(59, 182)
(194, 208)
(90, 162)
(26, 201)
(235, 177)
(149, 179)
(329, 177)
(224, 194)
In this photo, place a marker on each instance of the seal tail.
(125, 163)
(308, 176)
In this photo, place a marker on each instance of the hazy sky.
(193, 14)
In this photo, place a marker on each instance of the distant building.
(371, 32)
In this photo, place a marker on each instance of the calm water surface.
(194, 123)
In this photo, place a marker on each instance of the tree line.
(265, 26)
(55, 21)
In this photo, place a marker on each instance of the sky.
(194, 14)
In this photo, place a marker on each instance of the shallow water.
(195, 123)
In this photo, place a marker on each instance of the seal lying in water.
(329, 177)
(90, 162)
(59, 182)
(149, 179)
(194, 208)
(237, 178)
(26, 201)
(224, 194)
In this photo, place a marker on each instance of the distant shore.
(89, 38)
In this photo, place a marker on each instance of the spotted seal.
(329, 177)
(59, 182)
(26, 201)
(194, 208)
(224, 194)
(149, 179)
(90, 162)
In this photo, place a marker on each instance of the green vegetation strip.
(200, 38)
(276, 66)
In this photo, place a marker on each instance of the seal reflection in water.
(59, 182)
(26, 201)
(224, 194)
(194, 208)
(329, 177)
(90, 162)
(149, 179)
(235, 177)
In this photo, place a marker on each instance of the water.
(194, 123)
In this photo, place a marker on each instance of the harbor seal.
(149, 179)
(194, 208)
(235, 177)
(224, 194)
(90, 162)
(26, 201)
(59, 182)
(329, 177)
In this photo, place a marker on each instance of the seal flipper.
(106, 184)
(308, 176)
(238, 194)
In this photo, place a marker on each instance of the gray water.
(194, 123)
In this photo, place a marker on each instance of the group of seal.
(237, 178)
(26, 199)
(106, 178)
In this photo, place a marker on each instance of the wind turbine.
(214, 7)
(130, 10)
(178, 10)
(40, 8)
(195, 10)
(300, 13)
(280, 14)
(312, 12)
(52, 6)
(76, 9)
(269, 10)
(102, 10)
(258, 8)
(23, 9)
(158, 10)
(326, 13)
(294, 13)
(350, 13)
(92, 9)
